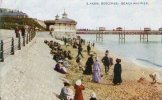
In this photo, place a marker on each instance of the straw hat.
(93, 95)
(78, 82)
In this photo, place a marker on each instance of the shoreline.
(105, 90)
(127, 63)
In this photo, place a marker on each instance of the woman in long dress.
(88, 68)
(96, 77)
(78, 90)
(117, 72)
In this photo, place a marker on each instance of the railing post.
(27, 38)
(19, 43)
(12, 46)
(1, 52)
(23, 40)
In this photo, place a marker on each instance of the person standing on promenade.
(17, 32)
(105, 61)
(23, 31)
(117, 72)
(88, 49)
(96, 77)
(89, 63)
(51, 31)
(78, 90)
(80, 49)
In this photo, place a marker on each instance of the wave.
(150, 62)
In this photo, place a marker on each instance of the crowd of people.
(92, 66)
(21, 31)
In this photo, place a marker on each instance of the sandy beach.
(130, 89)
(21, 78)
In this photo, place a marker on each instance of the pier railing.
(9, 46)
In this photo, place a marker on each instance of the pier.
(143, 34)
(99, 36)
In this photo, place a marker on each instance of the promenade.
(29, 74)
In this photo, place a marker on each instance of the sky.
(93, 16)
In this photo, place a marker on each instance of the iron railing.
(9, 46)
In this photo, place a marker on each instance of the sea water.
(143, 53)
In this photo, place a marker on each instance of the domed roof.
(65, 20)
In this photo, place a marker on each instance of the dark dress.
(88, 69)
(22, 32)
(117, 74)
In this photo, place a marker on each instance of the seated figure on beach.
(66, 63)
(66, 92)
(60, 68)
(96, 76)
(156, 77)
(57, 56)
(89, 63)
(117, 72)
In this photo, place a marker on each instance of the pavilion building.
(63, 27)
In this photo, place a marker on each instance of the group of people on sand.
(68, 94)
(93, 67)
(60, 56)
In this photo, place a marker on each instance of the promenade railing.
(9, 46)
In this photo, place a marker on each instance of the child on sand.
(156, 77)
(93, 96)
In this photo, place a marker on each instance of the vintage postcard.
(80, 49)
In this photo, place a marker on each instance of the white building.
(63, 27)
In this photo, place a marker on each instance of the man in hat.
(106, 63)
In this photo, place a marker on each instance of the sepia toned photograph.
(80, 49)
